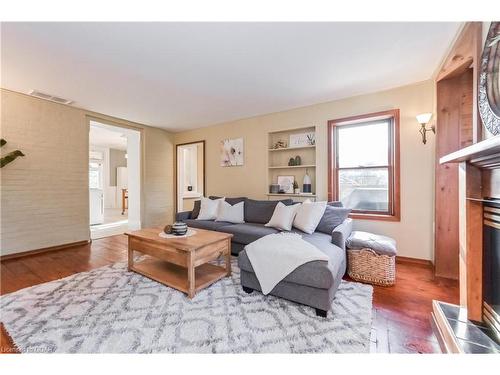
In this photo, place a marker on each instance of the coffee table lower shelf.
(176, 276)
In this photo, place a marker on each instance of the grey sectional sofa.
(314, 283)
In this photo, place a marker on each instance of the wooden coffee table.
(180, 263)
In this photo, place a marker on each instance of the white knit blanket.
(275, 256)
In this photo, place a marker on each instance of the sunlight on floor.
(114, 223)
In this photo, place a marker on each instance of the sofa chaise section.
(314, 283)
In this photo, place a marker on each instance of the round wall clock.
(489, 81)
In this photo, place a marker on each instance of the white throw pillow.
(232, 214)
(283, 216)
(209, 208)
(309, 215)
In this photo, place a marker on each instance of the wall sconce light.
(423, 119)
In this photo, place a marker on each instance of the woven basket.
(367, 266)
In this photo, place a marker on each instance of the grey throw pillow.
(261, 211)
(196, 209)
(335, 204)
(380, 244)
(332, 218)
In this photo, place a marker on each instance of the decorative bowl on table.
(179, 228)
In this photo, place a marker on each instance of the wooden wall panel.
(473, 219)
(454, 131)
(465, 54)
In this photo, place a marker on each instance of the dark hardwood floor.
(401, 314)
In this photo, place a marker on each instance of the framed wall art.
(286, 183)
(231, 152)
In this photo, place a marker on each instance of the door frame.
(176, 183)
(127, 127)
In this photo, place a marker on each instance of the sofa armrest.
(181, 216)
(341, 233)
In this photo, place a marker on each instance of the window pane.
(365, 189)
(363, 145)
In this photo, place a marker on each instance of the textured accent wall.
(44, 199)
(414, 232)
(44, 195)
(158, 185)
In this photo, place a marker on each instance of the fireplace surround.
(491, 265)
(472, 326)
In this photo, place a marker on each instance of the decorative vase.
(306, 187)
(179, 228)
(291, 162)
(274, 189)
(298, 160)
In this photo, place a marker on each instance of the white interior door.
(96, 194)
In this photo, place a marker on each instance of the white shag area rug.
(111, 310)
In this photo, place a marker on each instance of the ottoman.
(371, 258)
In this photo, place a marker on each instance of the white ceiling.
(101, 136)
(186, 75)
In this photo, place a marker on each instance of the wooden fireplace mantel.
(484, 154)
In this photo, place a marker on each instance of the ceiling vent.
(52, 98)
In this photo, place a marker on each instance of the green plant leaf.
(10, 157)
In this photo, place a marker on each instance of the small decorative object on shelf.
(296, 189)
(286, 183)
(190, 188)
(274, 189)
(306, 187)
(302, 140)
(291, 162)
(298, 160)
(179, 228)
(167, 229)
(280, 144)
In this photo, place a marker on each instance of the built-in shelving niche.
(278, 161)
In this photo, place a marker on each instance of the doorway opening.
(114, 179)
(190, 184)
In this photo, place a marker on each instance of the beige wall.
(414, 232)
(44, 196)
(158, 187)
(116, 159)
